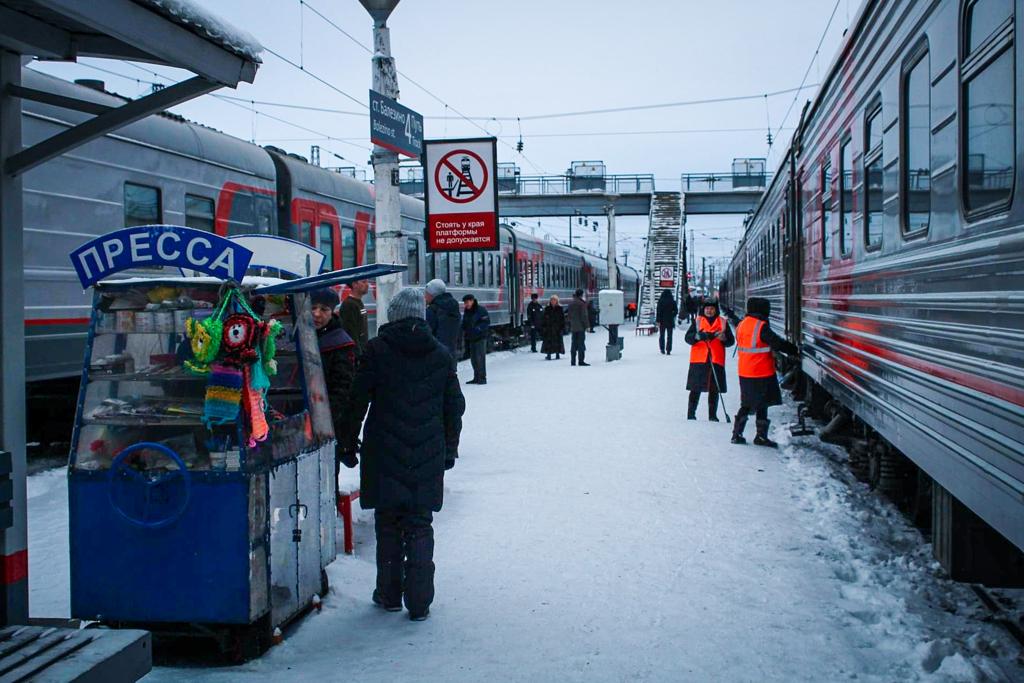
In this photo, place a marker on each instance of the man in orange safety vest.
(759, 387)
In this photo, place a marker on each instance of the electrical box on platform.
(610, 303)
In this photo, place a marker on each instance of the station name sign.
(461, 194)
(394, 126)
(146, 246)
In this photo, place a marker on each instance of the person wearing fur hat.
(442, 314)
(759, 387)
(408, 384)
(709, 336)
(476, 327)
(338, 356)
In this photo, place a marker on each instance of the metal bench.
(51, 654)
(645, 329)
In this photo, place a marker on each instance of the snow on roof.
(184, 281)
(205, 23)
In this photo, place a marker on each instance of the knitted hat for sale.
(325, 296)
(408, 303)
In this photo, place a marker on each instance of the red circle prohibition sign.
(475, 189)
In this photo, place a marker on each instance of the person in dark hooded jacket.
(710, 335)
(476, 327)
(759, 386)
(666, 317)
(553, 329)
(338, 356)
(443, 314)
(407, 381)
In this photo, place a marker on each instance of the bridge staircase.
(664, 249)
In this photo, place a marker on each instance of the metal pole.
(388, 220)
(703, 273)
(14, 576)
(613, 352)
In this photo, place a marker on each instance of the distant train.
(164, 169)
(891, 245)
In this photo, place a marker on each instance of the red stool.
(345, 510)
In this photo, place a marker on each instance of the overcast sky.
(531, 58)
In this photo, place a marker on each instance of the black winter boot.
(762, 435)
(737, 429)
(713, 407)
(691, 409)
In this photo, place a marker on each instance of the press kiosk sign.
(461, 194)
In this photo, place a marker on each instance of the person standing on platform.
(338, 356)
(442, 314)
(407, 381)
(708, 337)
(666, 318)
(534, 320)
(631, 311)
(759, 387)
(579, 320)
(690, 308)
(553, 329)
(353, 314)
(592, 314)
(476, 327)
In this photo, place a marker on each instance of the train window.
(988, 99)
(490, 270)
(141, 205)
(428, 265)
(846, 197)
(305, 232)
(826, 207)
(348, 247)
(412, 259)
(199, 212)
(915, 179)
(442, 266)
(456, 261)
(264, 205)
(370, 247)
(983, 18)
(873, 178)
(242, 215)
(326, 245)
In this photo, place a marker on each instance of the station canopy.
(177, 33)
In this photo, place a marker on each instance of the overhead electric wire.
(807, 72)
(318, 78)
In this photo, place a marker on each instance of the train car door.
(793, 263)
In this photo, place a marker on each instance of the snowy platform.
(591, 533)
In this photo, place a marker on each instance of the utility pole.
(387, 222)
(613, 352)
(703, 281)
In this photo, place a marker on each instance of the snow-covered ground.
(591, 533)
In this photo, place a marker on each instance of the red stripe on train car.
(56, 321)
(14, 567)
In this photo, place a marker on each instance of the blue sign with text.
(146, 246)
(394, 126)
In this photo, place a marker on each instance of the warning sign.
(461, 195)
(666, 276)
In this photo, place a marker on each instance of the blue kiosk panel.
(193, 569)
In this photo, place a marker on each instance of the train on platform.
(165, 169)
(891, 246)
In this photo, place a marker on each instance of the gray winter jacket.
(579, 316)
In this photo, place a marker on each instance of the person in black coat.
(534, 320)
(476, 326)
(338, 356)
(552, 329)
(709, 336)
(411, 436)
(758, 390)
(443, 314)
(666, 318)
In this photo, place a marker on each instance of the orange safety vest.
(755, 356)
(699, 351)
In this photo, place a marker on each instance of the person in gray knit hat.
(407, 381)
(443, 315)
(408, 303)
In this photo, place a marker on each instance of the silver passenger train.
(164, 169)
(891, 245)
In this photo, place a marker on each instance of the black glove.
(346, 456)
(449, 461)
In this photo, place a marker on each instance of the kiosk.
(201, 490)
